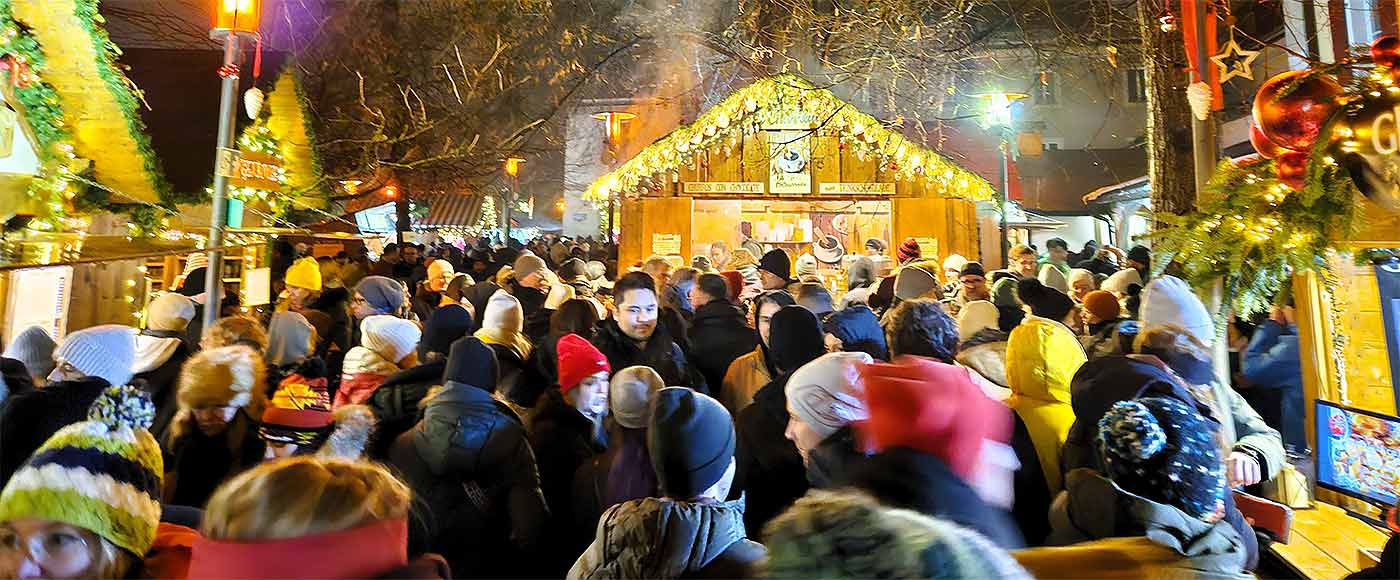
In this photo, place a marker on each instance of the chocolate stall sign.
(245, 169)
(1373, 153)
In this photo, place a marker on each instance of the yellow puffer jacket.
(1041, 358)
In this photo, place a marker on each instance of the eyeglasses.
(47, 546)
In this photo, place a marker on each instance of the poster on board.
(790, 159)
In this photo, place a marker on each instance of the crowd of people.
(541, 411)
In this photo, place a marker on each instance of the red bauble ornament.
(1262, 144)
(1294, 122)
(1292, 169)
(1385, 51)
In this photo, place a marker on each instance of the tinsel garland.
(1255, 232)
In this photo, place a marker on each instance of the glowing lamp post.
(999, 116)
(231, 18)
(612, 134)
(513, 170)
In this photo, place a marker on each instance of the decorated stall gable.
(791, 125)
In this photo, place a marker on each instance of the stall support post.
(1005, 193)
(228, 95)
(505, 213)
(1204, 153)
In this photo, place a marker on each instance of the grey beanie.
(34, 347)
(629, 395)
(691, 440)
(383, 294)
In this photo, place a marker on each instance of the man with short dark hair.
(409, 262)
(719, 332)
(1056, 255)
(388, 259)
(633, 335)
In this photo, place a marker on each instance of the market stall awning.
(450, 209)
(775, 101)
(40, 250)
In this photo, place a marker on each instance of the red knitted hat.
(1103, 305)
(734, 281)
(577, 359)
(908, 250)
(932, 407)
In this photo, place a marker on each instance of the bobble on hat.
(1165, 451)
(1130, 431)
(123, 407)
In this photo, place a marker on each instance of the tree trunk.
(1170, 165)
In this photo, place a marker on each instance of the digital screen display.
(1358, 453)
(379, 219)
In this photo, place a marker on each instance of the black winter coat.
(565, 440)
(469, 461)
(29, 419)
(396, 403)
(16, 377)
(770, 470)
(1031, 507)
(911, 479)
(517, 381)
(195, 463)
(161, 384)
(660, 353)
(719, 333)
(834, 461)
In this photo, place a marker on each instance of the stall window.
(1137, 85)
(1363, 21)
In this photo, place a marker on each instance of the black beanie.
(194, 282)
(472, 362)
(571, 268)
(1045, 302)
(1141, 255)
(795, 338)
(444, 327)
(973, 269)
(777, 263)
(691, 441)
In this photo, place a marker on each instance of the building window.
(1046, 89)
(1051, 144)
(1137, 85)
(1363, 21)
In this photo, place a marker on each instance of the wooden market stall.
(788, 165)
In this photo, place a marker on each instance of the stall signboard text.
(245, 169)
(857, 189)
(741, 187)
(666, 244)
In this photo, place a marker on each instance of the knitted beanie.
(503, 311)
(844, 534)
(34, 347)
(441, 269)
(908, 250)
(304, 273)
(169, 311)
(225, 376)
(929, 406)
(578, 359)
(826, 393)
(299, 412)
(446, 325)
(1103, 305)
(1077, 275)
(975, 317)
(1052, 277)
(102, 474)
(806, 265)
(955, 263)
(860, 272)
(691, 440)
(527, 264)
(734, 283)
(105, 351)
(794, 338)
(630, 393)
(1140, 254)
(392, 337)
(1169, 300)
(972, 269)
(1119, 281)
(777, 263)
(289, 337)
(1045, 302)
(1166, 451)
(471, 362)
(916, 280)
(385, 295)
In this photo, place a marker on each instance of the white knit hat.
(503, 311)
(390, 336)
(954, 262)
(1118, 283)
(1169, 300)
(975, 317)
(1077, 274)
(105, 351)
(1052, 277)
(169, 311)
(826, 393)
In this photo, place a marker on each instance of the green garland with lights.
(1255, 232)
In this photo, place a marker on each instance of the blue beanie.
(1165, 451)
(383, 294)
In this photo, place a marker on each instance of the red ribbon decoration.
(1188, 37)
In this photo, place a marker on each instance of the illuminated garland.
(257, 138)
(772, 101)
(1256, 232)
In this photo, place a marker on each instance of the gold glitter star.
(1235, 61)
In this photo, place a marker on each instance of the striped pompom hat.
(102, 474)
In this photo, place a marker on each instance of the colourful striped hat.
(102, 474)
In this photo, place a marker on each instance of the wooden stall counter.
(1326, 543)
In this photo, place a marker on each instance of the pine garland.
(1256, 232)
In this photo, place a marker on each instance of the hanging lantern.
(253, 101)
(237, 15)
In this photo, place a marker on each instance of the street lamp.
(999, 115)
(612, 135)
(513, 170)
(231, 18)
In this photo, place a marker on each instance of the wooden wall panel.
(691, 172)
(755, 162)
(856, 170)
(666, 215)
(629, 221)
(726, 167)
(826, 160)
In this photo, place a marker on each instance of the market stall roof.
(770, 101)
(1126, 191)
(450, 209)
(42, 249)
